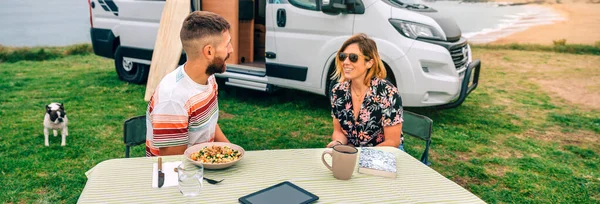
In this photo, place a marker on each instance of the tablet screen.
(284, 192)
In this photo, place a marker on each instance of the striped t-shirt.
(180, 112)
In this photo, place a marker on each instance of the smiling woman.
(366, 108)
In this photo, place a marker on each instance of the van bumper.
(102, 42)
(472, 78)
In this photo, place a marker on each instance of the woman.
(366, 108)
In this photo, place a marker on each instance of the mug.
(343, 161)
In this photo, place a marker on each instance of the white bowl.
(198, 147)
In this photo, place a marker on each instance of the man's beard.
(217, 65)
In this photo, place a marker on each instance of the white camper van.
(292, 44)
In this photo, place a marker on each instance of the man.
(184, 109)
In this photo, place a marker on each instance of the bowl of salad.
(214, 155)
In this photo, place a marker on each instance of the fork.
(211, 181)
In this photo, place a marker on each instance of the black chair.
(418, 126)
(134, 132)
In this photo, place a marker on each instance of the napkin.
(170, 174)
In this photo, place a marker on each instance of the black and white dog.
(55, 119)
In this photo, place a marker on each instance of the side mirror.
(333, 6)
(342, 6)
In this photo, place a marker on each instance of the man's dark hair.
(200, 25)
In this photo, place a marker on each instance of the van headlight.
(416, 30)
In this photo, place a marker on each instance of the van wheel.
(390, 75)
(130, 71)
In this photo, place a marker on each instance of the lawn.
(528, 134)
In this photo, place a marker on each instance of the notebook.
(377, 162)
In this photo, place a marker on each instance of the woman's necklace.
(360, 96)
(359, 100)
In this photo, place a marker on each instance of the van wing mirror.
(333, 6)
(342, 6)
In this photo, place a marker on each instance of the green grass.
(512, 141)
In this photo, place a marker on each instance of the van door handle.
(281, 17)
(270, 55)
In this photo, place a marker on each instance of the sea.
(44, 23)
(489, 21)
(66, 22)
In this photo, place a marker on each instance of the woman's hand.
(333, 143)
(338, 136)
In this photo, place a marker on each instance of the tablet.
(284, 192)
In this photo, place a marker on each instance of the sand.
(582, 25)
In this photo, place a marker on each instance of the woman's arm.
(392, 116)
(338, 136)
(392, 135)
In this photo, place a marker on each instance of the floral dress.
(382, 106)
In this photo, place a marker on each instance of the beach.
(581, 25)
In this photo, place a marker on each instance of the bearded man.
(184, 109)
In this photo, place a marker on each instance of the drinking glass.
(190, 179)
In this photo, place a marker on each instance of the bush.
(80, 49)
(561, 42)
(557, 47)
(37, 54)
(9, 54)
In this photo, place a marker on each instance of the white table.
(129, 181)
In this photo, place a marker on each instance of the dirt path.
(573, 78)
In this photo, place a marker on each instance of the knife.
(161, 175)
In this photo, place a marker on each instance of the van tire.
(130, 71)
(329, 83)
(390, 75)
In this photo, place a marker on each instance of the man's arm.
(219, 136)
(170, 128)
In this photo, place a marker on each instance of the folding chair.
(418, 126)
(134, 132)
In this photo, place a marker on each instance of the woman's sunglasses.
(353, 57)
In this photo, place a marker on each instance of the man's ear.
(208, 51)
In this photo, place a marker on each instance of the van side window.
(305, 4)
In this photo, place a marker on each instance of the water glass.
(190, 179)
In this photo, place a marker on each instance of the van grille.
(460, 55)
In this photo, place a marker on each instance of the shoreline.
(532, 15)
(581, 25)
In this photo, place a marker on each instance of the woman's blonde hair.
(368, 49)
